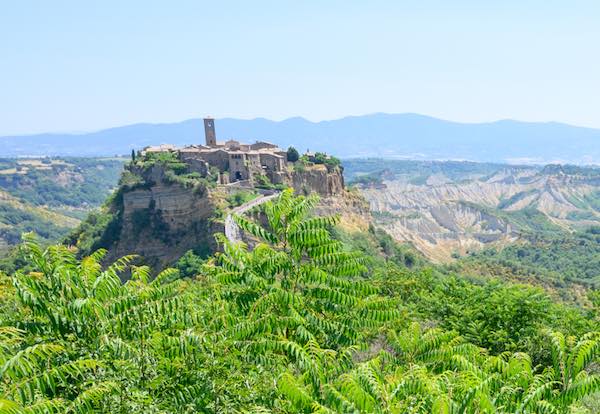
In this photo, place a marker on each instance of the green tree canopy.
(292, 154)
(291, 322)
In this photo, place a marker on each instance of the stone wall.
(199, 166)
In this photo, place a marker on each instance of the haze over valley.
(406, 136)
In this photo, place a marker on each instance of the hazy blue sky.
(84, 65)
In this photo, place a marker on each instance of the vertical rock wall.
(317, 179)
(163, 222)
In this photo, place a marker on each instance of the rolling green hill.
(51, 195)
(17, 217)
(556, 260)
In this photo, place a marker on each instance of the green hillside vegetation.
(302, 323)
(527, 221)
(560, 258)
(593, 200)
(73, 182)
(15, 221)
(514, 199)
(372, 169)
(51, 195)
(17, 217)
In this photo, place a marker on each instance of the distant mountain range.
(378, 135)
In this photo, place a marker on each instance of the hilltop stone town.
(172, 199)
(235, 161)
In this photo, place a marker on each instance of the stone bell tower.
(209, 132)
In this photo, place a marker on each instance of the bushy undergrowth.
(301, 323)
(560, 258)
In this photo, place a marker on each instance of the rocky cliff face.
(350, 205)
(319, 180)
(161, 220)
(335, 198)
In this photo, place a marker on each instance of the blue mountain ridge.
(376, 135)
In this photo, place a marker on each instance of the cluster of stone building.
(234, 160)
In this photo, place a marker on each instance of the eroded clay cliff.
(444, 217)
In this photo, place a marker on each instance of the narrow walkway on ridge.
(232, 230)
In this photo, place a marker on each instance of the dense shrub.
(292, 154)
(300, 323)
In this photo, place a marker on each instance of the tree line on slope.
(292, 326)
(75, 182)
(559, 258)
(50, 195)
